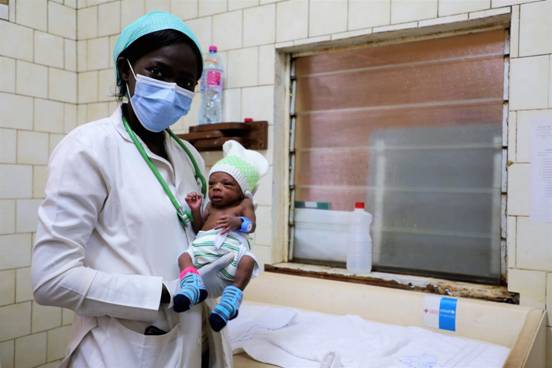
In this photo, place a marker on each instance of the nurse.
(112, 224)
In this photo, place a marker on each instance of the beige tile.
(160, 5)
(23, 290)
(8, 143)
(62, 21)
(267, 58)
(109, 17)
(16, 111)
(327, 16)
(7, 287)
(7, 214)
(533, 245)
(45, 317)
(54, 141)
(259, 24)
(98, 53)
(7, 77)
(7, 353)
(185, 9)
(395, 27)
(528, 87)
(514, 32)
(263, 231)
(535, 28)
(40, 175)
(16, 320)
(107, 89)
(112, 41)
(70, 58)
(27, 215)
(87, 19)
(264, 196)
(511, 241)
(364, 14)
(411, 10)
(202, 30)
(489, 13)
(70, 117)
(16, 181)
(448, 7)
(550, 84)
(30, 351)
(518, 189)
(444, 20)
(82, 56)
(63, 85)
(501, 3)
(71, 3)
(290, 20)
(16, 41)
(58, 339)
(67, 316)
(131, 10)
(258, 103)
(525, 121)
(242, 67)
(48, 116)
(88, 87)
(208, 7)
(97, 111)
(263, 254)
(531, 285)
(31, 79)
(232, 104)
(31, 13)
(240, 4)
(82, 114)
(512, 136)
(227, 30)
(32, 147)
(48, 49)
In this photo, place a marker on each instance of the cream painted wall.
(57, 73)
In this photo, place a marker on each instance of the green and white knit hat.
(245, 166)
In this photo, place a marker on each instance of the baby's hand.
(194, 200)
(227, 223)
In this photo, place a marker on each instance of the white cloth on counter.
(293, 338)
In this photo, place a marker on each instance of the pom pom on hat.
(245, 166)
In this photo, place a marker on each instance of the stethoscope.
(184, 216)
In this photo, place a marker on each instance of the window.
(414, 130)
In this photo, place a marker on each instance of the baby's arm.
(248, 211)
(194, 201)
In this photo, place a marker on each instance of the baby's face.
(223, 190)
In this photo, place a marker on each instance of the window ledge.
(495, 293)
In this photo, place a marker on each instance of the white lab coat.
(107, 238)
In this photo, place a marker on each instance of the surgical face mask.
(158, 104)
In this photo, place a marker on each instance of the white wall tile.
(290, 20)
(8, 144)
(267, 58)
(7, 353)
(264, 195)
(159, 5)
(489, 13)
(202, 30)
(71, 3)
(227, 30)
(130, 11)
(511, 241)
(518, 189)
(87, 19)
(410, 10)
(259, 25)
(525, 121)
(535, 28)
(208, 7)
(98, 53)
(45, 317)
(514, 32)
(16, 111)
(31, 79)
(258, 103)
(7, 287)
(501, 3)
(62, 21)
(31, 13)
(16, 41)
(53, 142)
(448, 7)
(533, 245)
(63, 85)
(232, 104)
(185, 9)
(24, 289)
(70, 117)
(364, 14)
(82, 56)
(58, 339)
(16, 181)
(48, 116)
(531, 285)
(443, 20)
(88, 87)
(242, 67)
(109, 16)
(107, 89)
(7, 77)
(240, 4)
(16, 320)
(70, 58)
(97, 111)
(327, 16)
(48, 49)
(528, 88)
(32, 147)
(263, 230)
(40, 176)
(27, 215)
(263, 253)
(30, 351)
(7, 216)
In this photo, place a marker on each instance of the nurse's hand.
(212, 281)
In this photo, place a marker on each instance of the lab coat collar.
(117, 119)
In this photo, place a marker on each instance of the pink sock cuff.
(186, 270)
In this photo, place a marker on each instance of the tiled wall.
(55, 58)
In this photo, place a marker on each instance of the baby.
(222, 228)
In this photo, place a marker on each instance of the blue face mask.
(158, 104)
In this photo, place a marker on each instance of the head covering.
(151, 22)
(245, 166)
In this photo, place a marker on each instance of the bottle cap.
(213, 48)
(359, 205)
(247, 120)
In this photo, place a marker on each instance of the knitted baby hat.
(245, 166)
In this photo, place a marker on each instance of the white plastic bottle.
(359, 252)
(211, 87)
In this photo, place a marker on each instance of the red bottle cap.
(359, 205)
(248, 120)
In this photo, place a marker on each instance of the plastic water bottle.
(359, 252)
(211, 87)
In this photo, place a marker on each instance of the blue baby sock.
(227, 308)
(190, 290)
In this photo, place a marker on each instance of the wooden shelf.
(211, 137)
